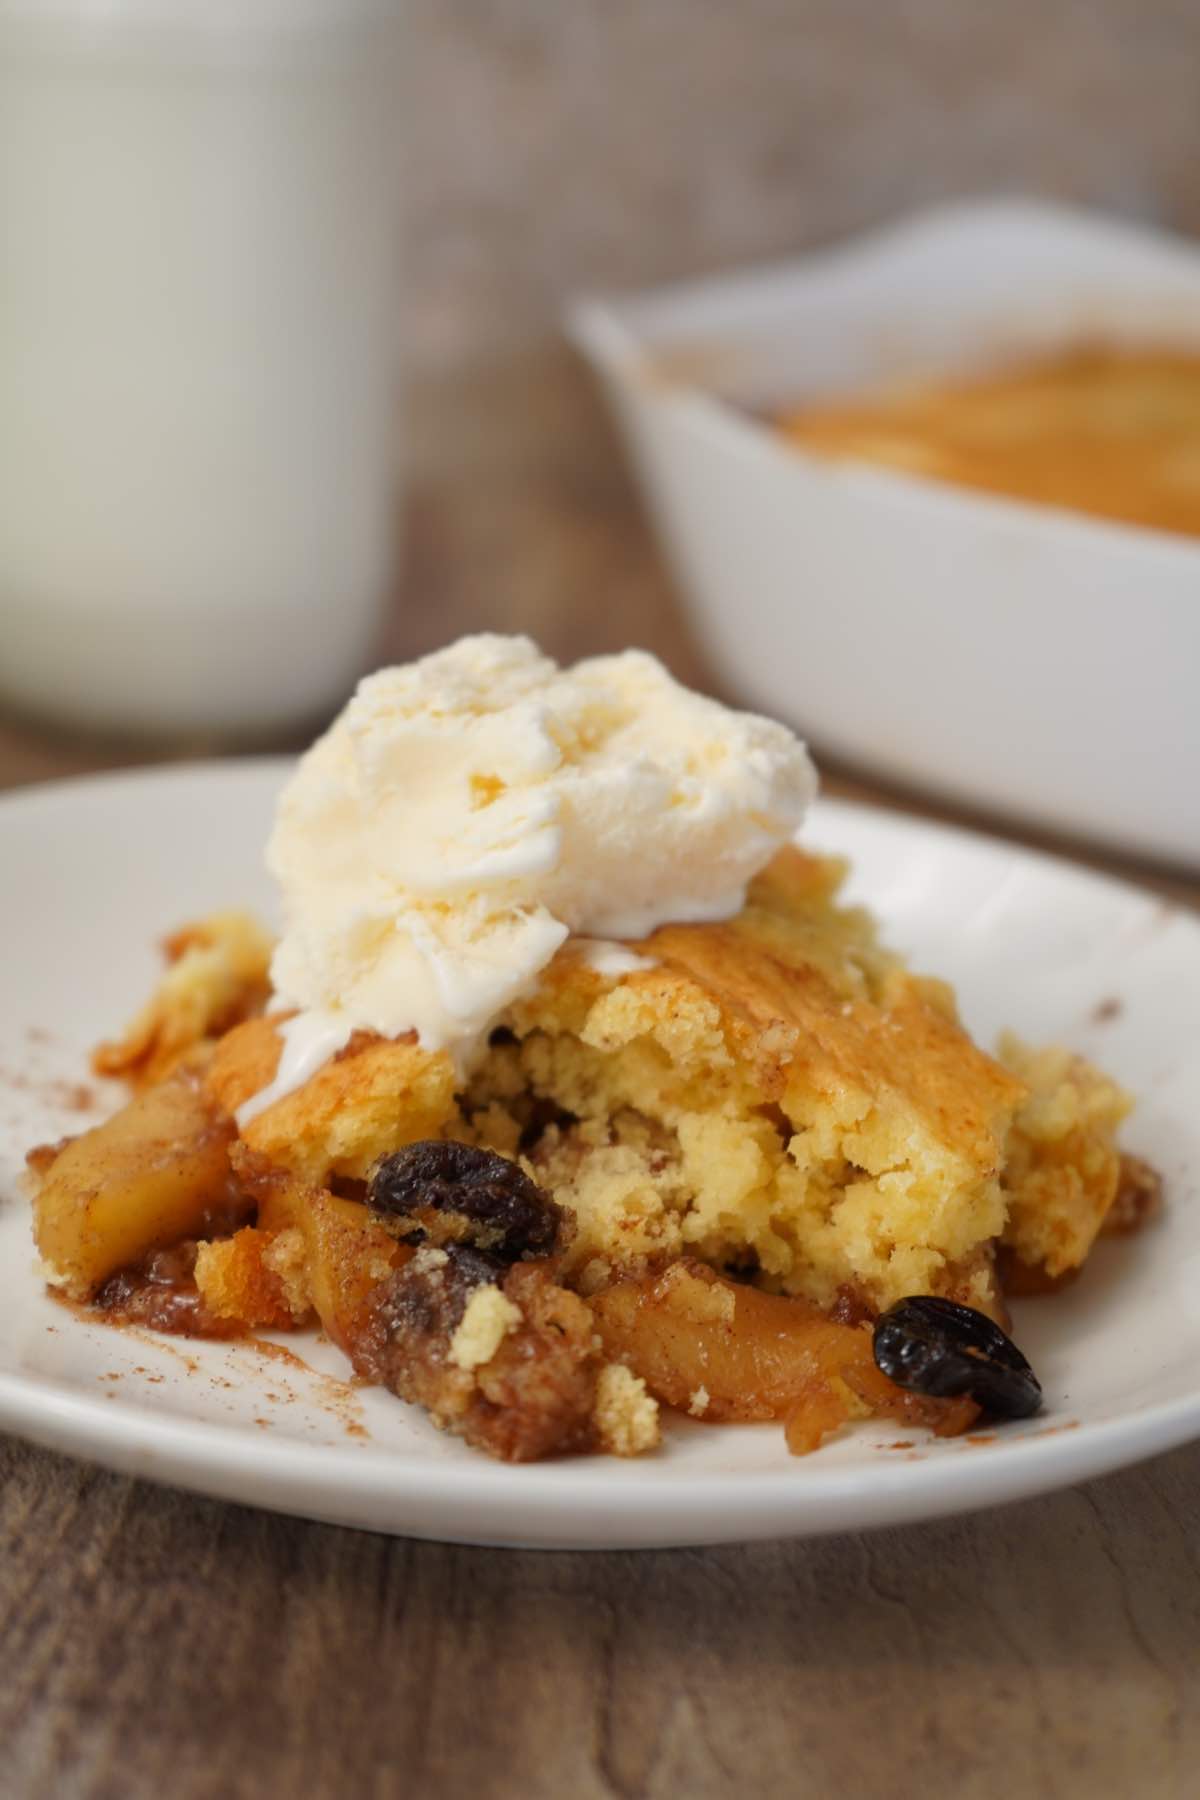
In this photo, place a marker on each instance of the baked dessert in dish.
(546, 1181)
(1101, 429)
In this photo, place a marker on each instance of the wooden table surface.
(154, 1643)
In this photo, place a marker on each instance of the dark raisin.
(443, 1192)
(428, 1297)
(935, 1346)
(475, 1268)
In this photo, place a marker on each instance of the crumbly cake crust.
(489, 1318)
(776, 1093)
(626, 1413)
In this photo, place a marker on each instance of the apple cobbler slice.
(729, 1160)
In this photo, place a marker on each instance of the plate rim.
(708, 1507)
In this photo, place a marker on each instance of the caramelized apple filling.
(724, 1351)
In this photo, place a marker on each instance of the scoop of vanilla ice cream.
(465, 813)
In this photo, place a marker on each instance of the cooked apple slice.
(724, 1351)
(347, 1254)
(147, 1177)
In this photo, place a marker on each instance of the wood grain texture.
(156, 1643)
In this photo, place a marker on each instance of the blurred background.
(604, 144)
(548, 149)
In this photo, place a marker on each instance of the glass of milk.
(199, 326)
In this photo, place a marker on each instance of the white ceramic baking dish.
(1034, 661)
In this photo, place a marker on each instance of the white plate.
(95, 871)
